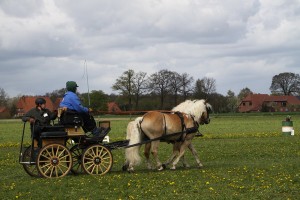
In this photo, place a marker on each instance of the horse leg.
(184, 162)
(176, 146)
(194, 152)
(154, 152)
(147, 155)
(181, 153)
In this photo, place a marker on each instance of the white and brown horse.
(177, 128)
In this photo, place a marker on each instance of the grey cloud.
(239, 43)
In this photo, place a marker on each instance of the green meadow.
(245, 156)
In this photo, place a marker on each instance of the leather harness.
(183, 132)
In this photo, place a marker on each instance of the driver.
(72, 102)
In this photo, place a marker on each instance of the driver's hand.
(31, 120)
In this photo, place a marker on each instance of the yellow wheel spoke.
(47, 165)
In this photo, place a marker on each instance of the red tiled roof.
(3, 109)
(289, 99)
(25, 103)
(113, 107)
(57, 102)
(255, 99)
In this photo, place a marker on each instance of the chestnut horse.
(178, 128)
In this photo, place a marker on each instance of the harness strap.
(183, 127)
(165, 131)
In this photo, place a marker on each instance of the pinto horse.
(177, 127)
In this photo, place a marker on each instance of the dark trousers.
(89, 122)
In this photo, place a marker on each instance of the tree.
(159, 83)
(205, 87)
(286, 83)
(139, 86)
(98, 100)
(3, 97)
(231, 101)
(56, 94)
(186, 88)
(175, 85)
(243, 93)
(125, 85)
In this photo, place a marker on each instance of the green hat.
(71, 86)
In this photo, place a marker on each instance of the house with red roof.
(25, 103)
(269, 103)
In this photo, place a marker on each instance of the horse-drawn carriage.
(65, 147)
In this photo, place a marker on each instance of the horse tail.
(134, 135)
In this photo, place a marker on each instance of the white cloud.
(239, 43)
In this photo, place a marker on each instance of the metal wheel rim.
(76, 157)
(97, 160)
(30, 169)
(54, 160)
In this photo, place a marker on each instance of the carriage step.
(28, 163)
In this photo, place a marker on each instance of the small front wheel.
(97, 160)
(76, 152)
(28, 161)
(54, 160)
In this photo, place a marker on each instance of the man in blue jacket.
(72, 102)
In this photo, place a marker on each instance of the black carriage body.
(62, 147)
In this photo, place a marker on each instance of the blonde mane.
(193, 107)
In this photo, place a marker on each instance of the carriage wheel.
(54, 160)
(76, 152)
(97, 160)
(30, 169)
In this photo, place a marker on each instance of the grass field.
(244, 157)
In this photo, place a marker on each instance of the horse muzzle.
(207, 121)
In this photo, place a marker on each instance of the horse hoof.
(130, 170)
(160, 168)
(164, 166)
(173, 168)
(124, 168)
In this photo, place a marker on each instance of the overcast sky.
(44, 43)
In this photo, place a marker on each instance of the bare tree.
(175, 85)
(125, 85)
(205, 87)
(286, 83)
(139, 86)
(159, 83)
(186, 88)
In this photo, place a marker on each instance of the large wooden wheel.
(97, 160)
(76, 152)
(54, 160)
(29, 164)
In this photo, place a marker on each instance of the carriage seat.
(69, 118)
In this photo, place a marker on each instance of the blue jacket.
(72, 101)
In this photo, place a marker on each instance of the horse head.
(205, 119)
(199, 109)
